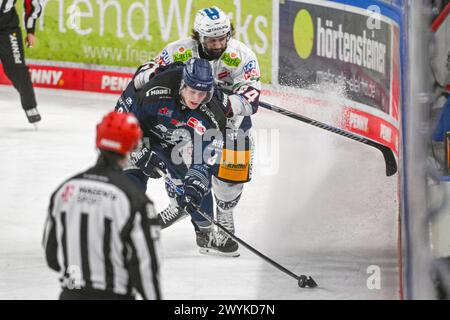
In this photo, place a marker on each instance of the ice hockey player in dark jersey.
(235, 69)
(102, 232)
(183, 127)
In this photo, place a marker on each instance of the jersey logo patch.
(67, 193)
(223, 75)
(182, 55)
(158, 91)
(231, 60)
(166, 112)
(250, 70)
(164, 58)
(250, 66)
(197, 125)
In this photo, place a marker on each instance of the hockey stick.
(389, 158)
(302, 280)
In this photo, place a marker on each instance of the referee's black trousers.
(13, 59)
(92, 294)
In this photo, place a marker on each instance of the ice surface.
(319, 204)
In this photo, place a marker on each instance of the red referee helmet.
(118, 132)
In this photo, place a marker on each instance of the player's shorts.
(236, 161)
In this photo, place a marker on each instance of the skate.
(170, 215)
(217, 243)
(223, 243)
(33, 116)
(225, 219)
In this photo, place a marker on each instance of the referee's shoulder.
(79, 175)
(132, 191)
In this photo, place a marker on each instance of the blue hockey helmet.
(197, 74)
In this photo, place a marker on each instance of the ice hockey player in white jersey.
(236, 70)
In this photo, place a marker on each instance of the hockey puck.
(302, 281)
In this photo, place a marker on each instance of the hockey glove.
(220, 100)
(148, 161)
(195, 188)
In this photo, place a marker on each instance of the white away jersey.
(237, 66)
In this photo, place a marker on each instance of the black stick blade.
(311, 283)
(389, 158)
(391, 163)
(304, 281)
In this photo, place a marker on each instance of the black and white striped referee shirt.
(102, 233)
(32, 9)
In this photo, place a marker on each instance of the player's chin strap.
(302, 280)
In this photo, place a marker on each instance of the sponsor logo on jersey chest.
(165, 112)
(250, 70)
(67, 193)
(223, 74)
(158, 91)
(182, 55)
(197, 125)
(231, 59)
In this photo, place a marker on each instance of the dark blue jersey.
(182, 137)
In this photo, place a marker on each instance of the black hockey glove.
(220, 100)
(148, 161)
(195, 188)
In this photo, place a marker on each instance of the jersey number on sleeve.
(251, 94)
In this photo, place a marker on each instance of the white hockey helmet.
(212, 22)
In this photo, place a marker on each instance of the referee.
(11, 51)
(101, 232)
